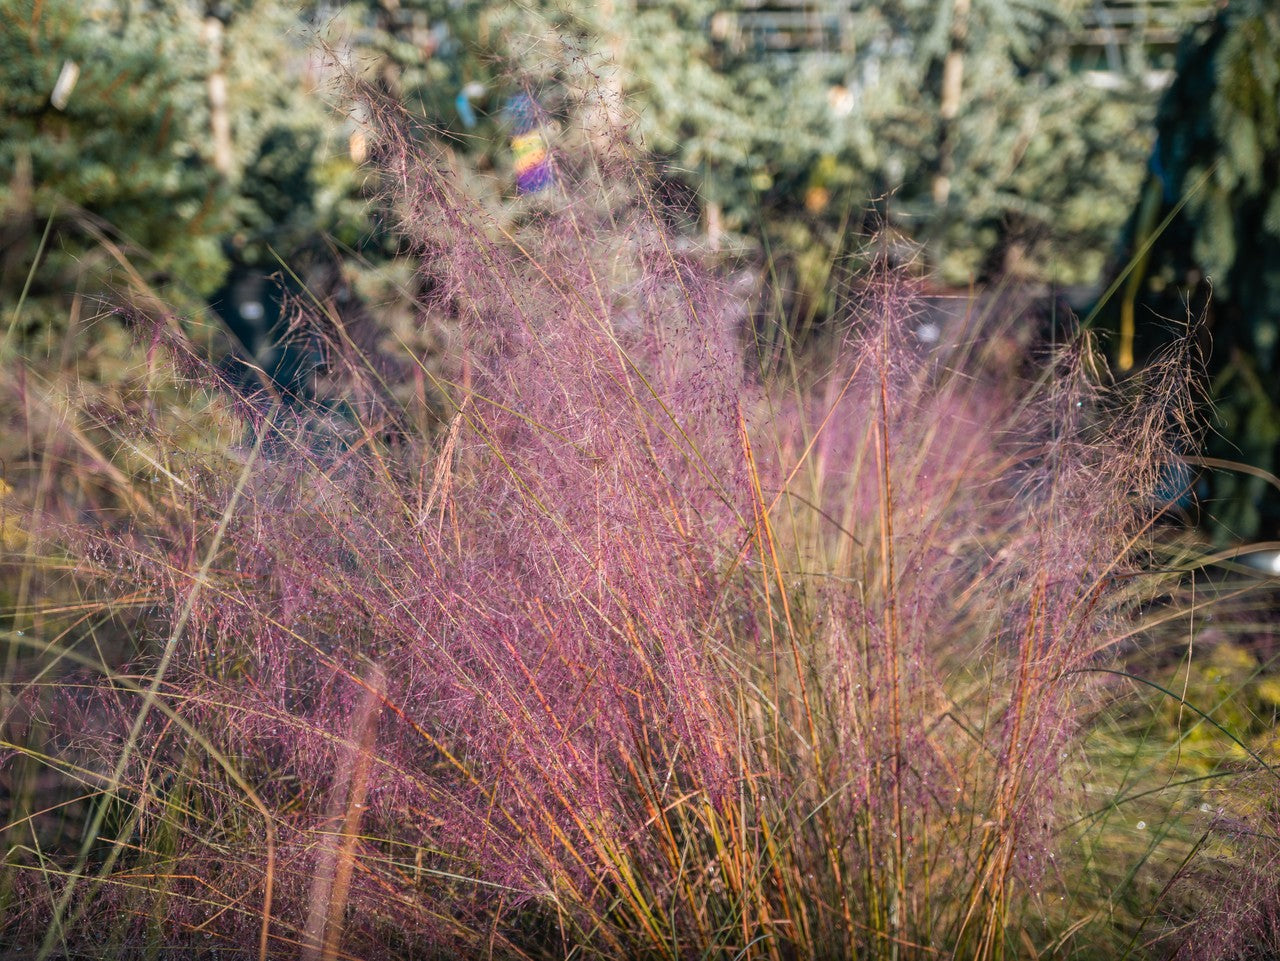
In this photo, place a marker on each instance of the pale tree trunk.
(607, 119)
(949, 107)
(219, 117)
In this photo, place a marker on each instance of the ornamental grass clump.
(646, 652)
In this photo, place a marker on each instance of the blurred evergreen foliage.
(112, 150)
(131, 151)
(1030, 170)
(1215, 169)
(966, 125)
(1040, 164)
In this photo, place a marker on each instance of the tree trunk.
(607, 119)
(219, 117)
(949, 106)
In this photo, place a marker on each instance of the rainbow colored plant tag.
(532, 155)
(532, 162)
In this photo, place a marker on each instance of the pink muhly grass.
(644, 654)
(1227, 901)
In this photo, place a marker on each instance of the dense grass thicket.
(658, 645)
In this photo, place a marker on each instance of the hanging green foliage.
(1214, 175)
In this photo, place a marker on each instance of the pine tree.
(182, 147)
(104, 154)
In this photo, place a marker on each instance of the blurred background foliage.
(981, 129)
(117, 155)
(203, 154)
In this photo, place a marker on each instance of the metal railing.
(1153, 22)
(826, 26)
